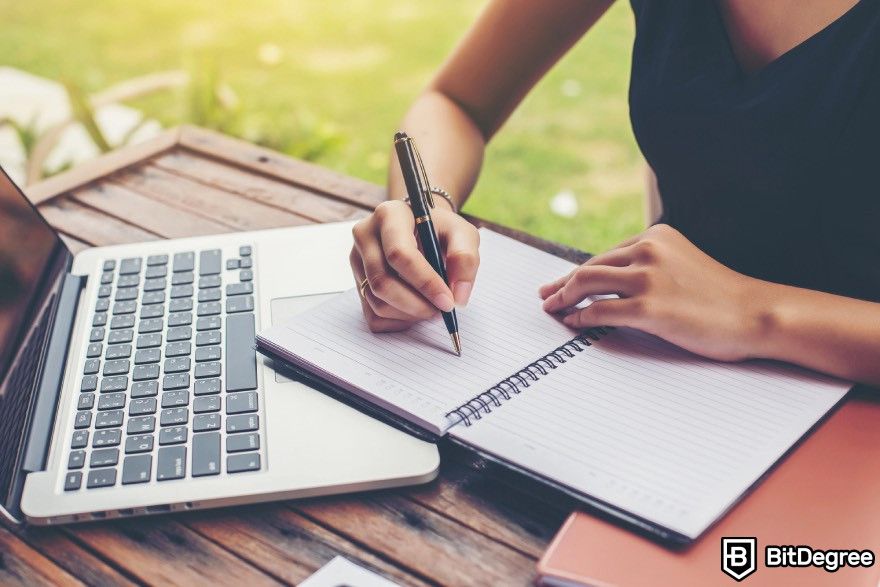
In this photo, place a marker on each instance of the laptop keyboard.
(169, 385)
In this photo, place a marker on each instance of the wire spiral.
(483, 403)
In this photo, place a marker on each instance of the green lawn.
(349, 69)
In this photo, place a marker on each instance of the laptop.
(129, 383)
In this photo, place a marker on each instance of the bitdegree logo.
(806, 556)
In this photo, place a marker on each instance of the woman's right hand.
(402, 288)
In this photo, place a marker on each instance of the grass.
(352, 67)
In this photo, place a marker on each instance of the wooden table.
(475, 524)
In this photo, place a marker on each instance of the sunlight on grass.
(355, 65)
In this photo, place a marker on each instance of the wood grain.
(22, 565)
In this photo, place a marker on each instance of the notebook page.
(656, 431)
(415, 374)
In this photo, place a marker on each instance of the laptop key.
(209, 281)
(172, 463)
(96, 335)
(175, 399)
(180, 319)
(175, 381)
(204, 370)
(154, 260)
(109, 265)
(129, 266)
(208, 323)
(137, 469)
(104, 291)
(243, 462)
(173, 435)
(76, 460)
(89, 383)
(241, 358)
(115, 383)
(152, 311)
(139, 443)
(207, 387)
(128, 280)
(104, 457)
(126, 321)
(177, 364)
(106, 277)
(180, 305)
(102, 305)
(184, 262)
(208, 403)
(209, 309)
(209, 337)
(245, 250)
(112, 419)
(73, 481)
(92, 366)
(86, 401)
(116, 367)
(144, 372)
(156, 271)
(142, 406)
(239, 304)
(232, 264)
(141, 425)
(118, 351)
(181, 291)
(146, 341)
(208, 353)
(124, 307)
(242, 442)
(206, 454)
(210, 295)
(179, 333)
(155, 284)
(237, 289)
(174, 416)
(125, 293)
(100, 319)
(244, 423)
(245, 264)
(83, 420)
(246, 275)
(178, 349)
(141, 389)
(80, 439)
(242, 403)
(144, 356)
(101, 478)
(94, 350)
(120, 336)
(183, 278)
(107, 438)
(210, 262)
(111, 401)
(151, 325)
(206, 422)
(153, 297)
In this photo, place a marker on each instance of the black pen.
(421, 201)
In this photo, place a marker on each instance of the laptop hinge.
(49, 388)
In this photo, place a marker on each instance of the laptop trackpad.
(283, 309)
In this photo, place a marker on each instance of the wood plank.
(72, 557)
(286, 544)
(22, 565)
(148, 213)
(161, 551)
(422, 540)
(74, 244)
(101, 167)
(91, 226)
(282, 195)
(259, 160)
(220, 206)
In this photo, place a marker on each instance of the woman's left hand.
(667, 287)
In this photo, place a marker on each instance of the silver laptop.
(129, 383)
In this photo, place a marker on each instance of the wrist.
(763, 318)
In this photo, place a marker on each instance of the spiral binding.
(483, 403)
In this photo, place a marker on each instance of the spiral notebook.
(623, 421)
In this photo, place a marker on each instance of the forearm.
(449, 142)
(829, 333)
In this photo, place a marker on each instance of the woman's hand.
(667, 287)
(402, 288)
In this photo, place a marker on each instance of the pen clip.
(423, 175)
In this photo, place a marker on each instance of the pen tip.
(456, 343)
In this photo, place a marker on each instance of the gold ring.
(362, 288)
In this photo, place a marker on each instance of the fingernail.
(550, 302)
(444, 302)
(461, 291)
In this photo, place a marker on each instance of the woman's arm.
(670, 288)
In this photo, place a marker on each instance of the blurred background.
(325, 81)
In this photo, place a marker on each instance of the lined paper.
(651, 429)
(415, 374)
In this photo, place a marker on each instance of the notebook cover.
(824, 495)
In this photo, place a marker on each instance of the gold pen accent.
(420, 219)
(456, 342)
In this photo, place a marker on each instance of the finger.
(551, 288)
(592, 280)
(617, 257)
(611, 312)
(375, 322)
(400, 249)
(385, 284)
(462, 261)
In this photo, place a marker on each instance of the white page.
(415, 374)
(653, 430)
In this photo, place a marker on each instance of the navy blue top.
(774, 173)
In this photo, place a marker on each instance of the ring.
(362, 288)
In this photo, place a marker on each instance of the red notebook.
(826, 495)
